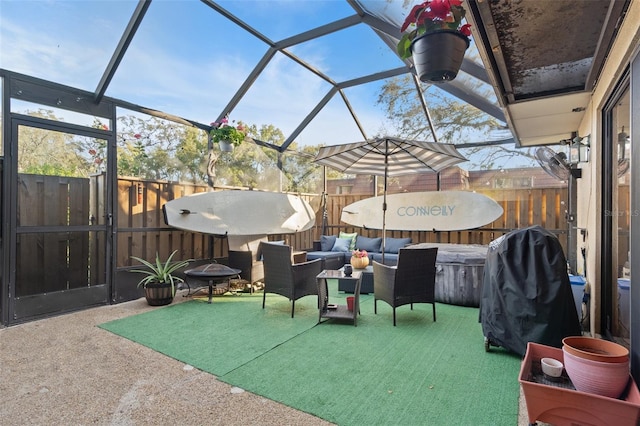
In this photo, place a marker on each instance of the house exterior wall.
(589, 188)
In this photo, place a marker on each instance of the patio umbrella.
(388, 156)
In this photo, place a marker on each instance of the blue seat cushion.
(327, 242)
(392, 245)
(312, 255)
(390, 259)
(371, 245)
(342, 245)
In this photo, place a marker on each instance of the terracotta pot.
(438, 55)
(595, 349)
(596, 377)
(158, 294)
(359, 262)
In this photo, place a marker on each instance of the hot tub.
(459, 272)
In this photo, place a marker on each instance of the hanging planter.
(225, 145)
(227, 135)
(436, 39)
(438, 55)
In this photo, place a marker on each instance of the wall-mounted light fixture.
(624, 143)
(579, 149)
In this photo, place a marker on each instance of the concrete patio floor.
(66, 371)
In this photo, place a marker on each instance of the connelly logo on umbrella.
(425, 210)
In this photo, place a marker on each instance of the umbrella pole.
(384, 198)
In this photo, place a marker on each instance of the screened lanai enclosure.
(108, 119)
(107, 108)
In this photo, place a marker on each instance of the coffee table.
(366, 284)
(327, 311)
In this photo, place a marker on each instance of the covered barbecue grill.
(526, 295)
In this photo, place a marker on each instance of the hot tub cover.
(472, 254)
(526, 295)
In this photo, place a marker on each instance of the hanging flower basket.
(435, 36)
(225, 145)
(438, 55)
(227, 135)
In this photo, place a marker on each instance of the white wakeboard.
(237, 212)
(424, 211)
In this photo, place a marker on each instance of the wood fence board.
(78, 242)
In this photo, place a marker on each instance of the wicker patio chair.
(411, 281)
(244, 254)
(283, 277)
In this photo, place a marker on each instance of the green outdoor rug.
(418, 373)
(221, 336)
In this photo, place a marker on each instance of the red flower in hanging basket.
(430, 16)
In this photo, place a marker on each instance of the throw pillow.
(371, 245)
(327, 242)
(392, 245)
(353, 237)
(341, 244)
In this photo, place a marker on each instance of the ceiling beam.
(460, 91)
(121, 49)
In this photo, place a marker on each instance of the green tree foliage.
(255, 166)
(52, 153)
(454, 121)
(153, 148)
(191, 154)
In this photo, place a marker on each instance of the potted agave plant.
(227, 135)
(436, 38)
(160, 283)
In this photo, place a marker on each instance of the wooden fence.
(522, 208)
(141, 230)
(60, 258)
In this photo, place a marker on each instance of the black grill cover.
(526, 294)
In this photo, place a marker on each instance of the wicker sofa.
(334, 252)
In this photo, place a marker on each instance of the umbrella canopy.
(387, 156)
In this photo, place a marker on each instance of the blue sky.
(188, 61)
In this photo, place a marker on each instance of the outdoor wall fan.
(554, 163)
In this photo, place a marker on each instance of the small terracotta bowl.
(595, 349)
(551, 367)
